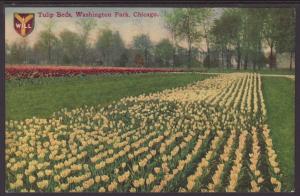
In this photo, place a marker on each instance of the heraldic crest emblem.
(24, 23)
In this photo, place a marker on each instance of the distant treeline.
(237, 38)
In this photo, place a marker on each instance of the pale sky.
(128, 27)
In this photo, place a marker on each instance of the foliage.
(111, 48)
(228, 37)
(164, 52)
(70, 47)
(143, 44)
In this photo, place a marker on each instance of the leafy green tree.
(278, 31)
(164, 52)
(118, 50)
(219, 39)
(252, 36)
(143, 44)
(286, 18)
(111, 48)
(124, 58)
(19, 52)
(86, 26)
(225, 32)
(270, 32)
(240, 30)
(15, 54)
(187, 28)
(70, 47)
(103, 45)
(236, 33)
(172, 20)
(46, 48)
(206, 23)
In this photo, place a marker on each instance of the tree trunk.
(208, 60)
(246, 62)
(291, 60)
(189, 43)
(258, 55)
(190, 55)
(239, 58)
(174, 49)
(258, 60)
(222, 58)
(174, 56)
(254, 61)
(146, 57)
(49, 50)
(208, 53)
(271, 58)
(228, 59)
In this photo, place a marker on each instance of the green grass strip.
(279, 95)
(41, 97)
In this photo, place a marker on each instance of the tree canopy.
(198, 37)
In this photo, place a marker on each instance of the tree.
(15, 54)
(171, 20)
(206, 22)
(47, 47)
(103, 46)
(49, 38)
(188, 27)
(219, 39)
(240, 30)
(225, 32)
(143, 44)
(236, 33)
(70, 46)
(118, 50)
(164, 52)
(86, 26)
(270, 31)
(111, 48)
(19, 52)
(286, 35)
(124, 58)
(252, 37)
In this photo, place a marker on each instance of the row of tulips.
(207, 136)
(39, 71)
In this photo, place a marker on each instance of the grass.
(42, 97)
(262, 71)
(279, 94)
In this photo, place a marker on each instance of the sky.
(128, 27)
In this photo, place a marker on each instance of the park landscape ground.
(151, 132)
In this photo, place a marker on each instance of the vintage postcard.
(133, 99)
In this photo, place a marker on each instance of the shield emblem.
(24, 23)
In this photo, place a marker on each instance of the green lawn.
(262, 71)
(42, 97)
(279, 94)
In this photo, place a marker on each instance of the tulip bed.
(208, 136)
(38, 71)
